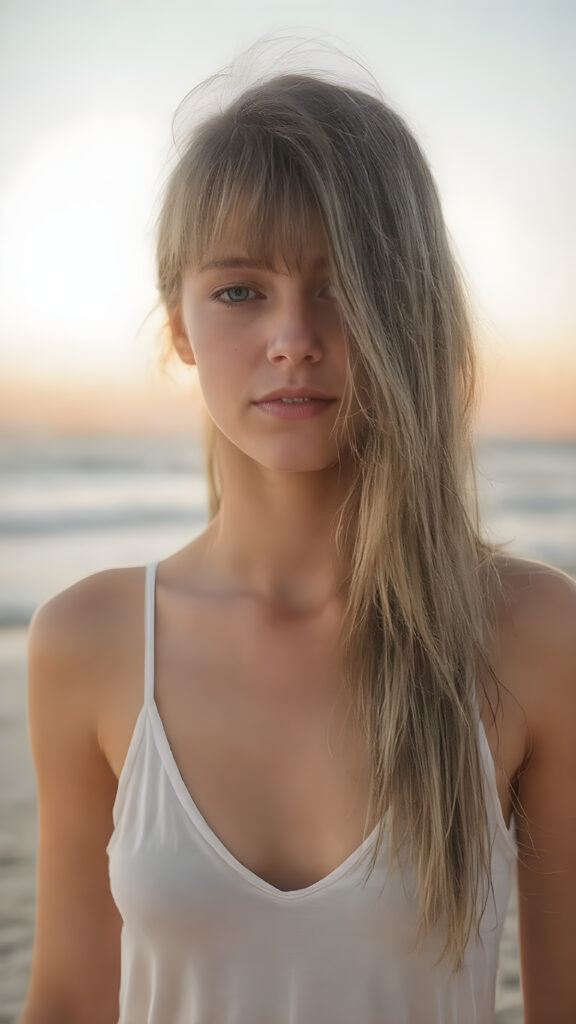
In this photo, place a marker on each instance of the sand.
(18, 850)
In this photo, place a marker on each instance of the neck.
(273, 536)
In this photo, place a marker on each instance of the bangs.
(253, 191)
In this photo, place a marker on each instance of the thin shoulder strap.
(149, 603)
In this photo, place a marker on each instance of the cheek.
(224, 376)
(215, 350)
(220, 340)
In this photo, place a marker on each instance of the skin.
(264, 575)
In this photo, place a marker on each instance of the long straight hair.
(418, 614)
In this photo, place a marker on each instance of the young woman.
(286, 774)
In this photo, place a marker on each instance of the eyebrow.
(231, 262)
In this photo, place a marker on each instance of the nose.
(294, 335)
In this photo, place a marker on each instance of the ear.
(180, 339)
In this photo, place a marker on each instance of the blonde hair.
(417, 598)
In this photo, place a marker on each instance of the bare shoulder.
(537, 634)
(80, 613)
(89, 616)
(535, 588)
(79, 641)
(537, 599)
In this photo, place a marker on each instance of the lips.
(294, 403)
(302, 392)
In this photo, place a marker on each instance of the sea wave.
(72, 506)
(64, 520)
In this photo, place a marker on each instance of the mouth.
(293, 401)
(295, 395)
(294, 407)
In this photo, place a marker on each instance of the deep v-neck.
(197, 818)
(183, 794)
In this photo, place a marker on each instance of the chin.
(297, 462)
(292, 456)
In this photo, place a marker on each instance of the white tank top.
(206, 941)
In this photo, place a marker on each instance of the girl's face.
(252, 332)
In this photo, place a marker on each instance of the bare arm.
(547, 793)
(76, 959)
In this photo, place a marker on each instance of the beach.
(71, 507)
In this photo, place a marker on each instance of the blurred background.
(100, 463)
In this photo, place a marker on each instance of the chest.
(259, 725)
(260, 728)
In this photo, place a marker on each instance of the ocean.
(73, 506)
(69, 507)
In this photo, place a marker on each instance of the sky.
(87, 95)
